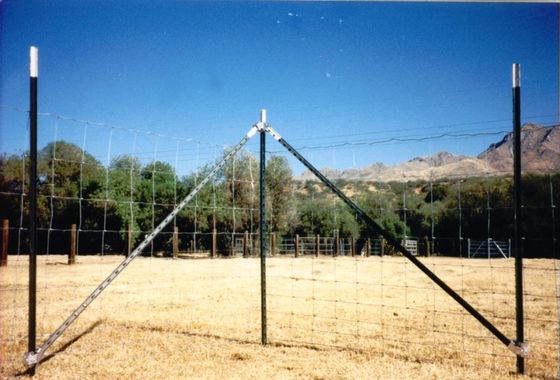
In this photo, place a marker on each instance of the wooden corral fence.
(245, 244)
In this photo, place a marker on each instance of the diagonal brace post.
(520, 349)
(32, 358)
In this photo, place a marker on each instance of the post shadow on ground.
(31, 370)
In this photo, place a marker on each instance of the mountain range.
(540, 153)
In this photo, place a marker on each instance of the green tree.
(279, 188)
(241, 184)
(124, 191)
(382, 206)
(326, 216)
(156, 192)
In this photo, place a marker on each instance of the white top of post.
(263, 116)
(33, 62)
(516, 75)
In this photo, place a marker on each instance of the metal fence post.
(262, 229)
(517, 227)
(33, 78)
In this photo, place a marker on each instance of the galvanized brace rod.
(520, 350)
(32, 358)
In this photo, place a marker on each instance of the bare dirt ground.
(328, 318)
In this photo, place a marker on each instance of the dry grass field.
(329, 318)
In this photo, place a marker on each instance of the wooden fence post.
(317, 245)
(72, 254)
(353, 246)
(246, 244)
(272, 244)
(5, 241)
(214, 243)
(382, 251)
(336, 246)
(129, 239)
(296, 246)
(175, 242)
(427, 246)
(368, 247)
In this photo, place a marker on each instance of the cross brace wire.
(520, 349)
(32, 358)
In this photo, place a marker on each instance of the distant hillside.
(540, 150)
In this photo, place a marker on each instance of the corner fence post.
(517, 227)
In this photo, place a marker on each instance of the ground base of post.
(31, 359)
(519, 349)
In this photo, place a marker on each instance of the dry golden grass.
(329, 318)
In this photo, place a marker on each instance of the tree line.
(103, 201)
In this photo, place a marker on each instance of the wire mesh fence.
(368, 297)
(331, 281)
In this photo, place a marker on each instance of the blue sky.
(328, 73)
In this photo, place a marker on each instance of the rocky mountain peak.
(540, 149)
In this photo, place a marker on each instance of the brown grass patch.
(329, 318)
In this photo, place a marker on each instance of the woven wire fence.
(335, 283)
(102, 189)
(332, 283)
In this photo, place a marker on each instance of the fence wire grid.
(331, 282)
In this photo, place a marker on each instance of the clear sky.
(328, 73)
